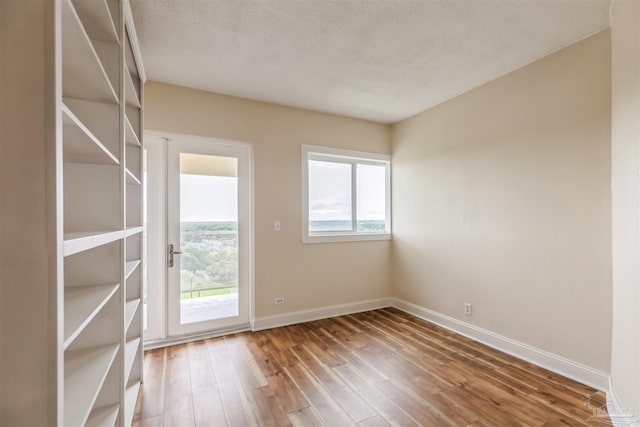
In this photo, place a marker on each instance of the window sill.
(344, 237)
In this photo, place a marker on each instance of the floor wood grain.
(378, 368)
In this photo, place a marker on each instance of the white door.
(208, 238)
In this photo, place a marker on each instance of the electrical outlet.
(279, 300)
(467, 309)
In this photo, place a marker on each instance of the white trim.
(156, 277)
(315, 152)
(195, 138)
(133, 36)
(618, 414)
(164, 137)
(166, 342)
(216, 147)
(558, 364)
(344, 237)
(291, 318)
(347, 154)
(252, 238)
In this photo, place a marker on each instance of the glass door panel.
(208, 230)
(208, 237)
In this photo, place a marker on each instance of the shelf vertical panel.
(143, 234)
(128, 308)
(133, 87)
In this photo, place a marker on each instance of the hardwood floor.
(377, 368)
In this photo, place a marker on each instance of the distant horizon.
(212, 220)
(313, 220)
(326, 225)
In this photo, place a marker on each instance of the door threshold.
(182, 339)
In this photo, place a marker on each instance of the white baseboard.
(565, 367)
(618, 414)
(291, 318)
(182, 339)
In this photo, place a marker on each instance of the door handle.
(170, 254)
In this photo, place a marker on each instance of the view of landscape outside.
(208, 237)
(330, 205)
(209, 263)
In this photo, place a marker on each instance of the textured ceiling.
(382, 60)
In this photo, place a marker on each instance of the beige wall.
(28, 225)
(625, 152)
(307, 275)
(501, 198)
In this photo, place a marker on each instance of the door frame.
(160, 313)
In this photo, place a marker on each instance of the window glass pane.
(208, 237)
(370, 194)
(329, 196)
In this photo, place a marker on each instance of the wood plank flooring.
(378, 368)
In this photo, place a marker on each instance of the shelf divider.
(81, 305)
(133, 230)
(105, 416)
(75, 242)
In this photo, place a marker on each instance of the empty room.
(319, 213)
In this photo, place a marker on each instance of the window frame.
(338, 155)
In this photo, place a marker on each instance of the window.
(345, 195)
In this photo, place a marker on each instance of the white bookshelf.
(73, 144)
(99, 345)
(131, 109)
